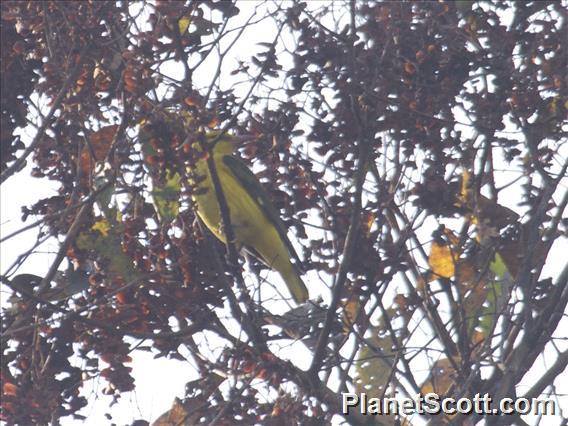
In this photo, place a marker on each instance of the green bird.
(255, 221)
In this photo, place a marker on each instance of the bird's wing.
(249, 181)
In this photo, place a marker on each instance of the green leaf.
(166, 197)
(104, 238)
(375, 361)
(497, 295)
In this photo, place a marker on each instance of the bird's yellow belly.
(246, 217)
(252, 227)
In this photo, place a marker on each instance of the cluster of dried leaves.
(383, 132)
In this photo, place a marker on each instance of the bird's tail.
(295, 284)
(290, 273)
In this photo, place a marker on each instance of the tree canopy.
(416, 151)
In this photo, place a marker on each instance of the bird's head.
(226, 144)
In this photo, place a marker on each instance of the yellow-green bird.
(255, 221)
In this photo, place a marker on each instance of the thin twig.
(47, 120)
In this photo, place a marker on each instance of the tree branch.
(48, 119)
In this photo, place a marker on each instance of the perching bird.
(256, 223)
